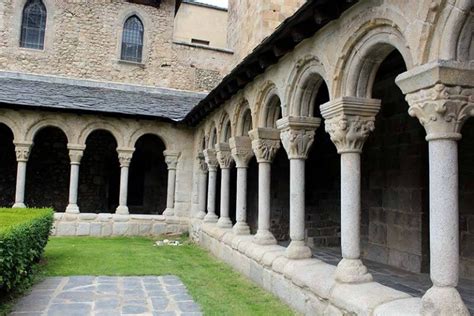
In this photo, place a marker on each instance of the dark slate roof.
(310, 18)
(34, 91)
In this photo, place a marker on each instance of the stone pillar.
(75, 156)
(202, 186)
(297, 136)
(125, 157)
(224, 157)
(441, 96)
(212, 164)
(265, 144)
(22, 150)
(349, 121)
(171, 159)
(241, 148)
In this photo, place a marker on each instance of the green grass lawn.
(215, 286)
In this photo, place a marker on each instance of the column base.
(168, 212)
(72, 209)
(224, 222)
(122, 210)
(210, 218)
(200, 215)
(298, 250)
(264, 237)
(241, 228)
(19, 205)
(443, 301)
(352, 271)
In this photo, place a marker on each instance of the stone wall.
(251, 21)
(106, 225)
(83, 40)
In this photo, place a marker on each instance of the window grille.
(132, 40)
(33, 25)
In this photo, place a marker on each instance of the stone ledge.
(105, 225)
(307, 285)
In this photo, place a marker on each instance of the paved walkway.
(103, 296)
(414, 284)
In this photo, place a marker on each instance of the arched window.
(33, 25)
(132, 40)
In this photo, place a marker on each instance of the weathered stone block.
(96, 229)
(144, 229)
(66, 229)
(158, 229)
(87, 216)
(83, 229)
(120, 229)
(106, 229)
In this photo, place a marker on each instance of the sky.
(219, 3)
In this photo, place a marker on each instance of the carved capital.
(202, 162)
(75, 153)
(125, 156)
(349, 122)
(171, 158)
(22, 150)
(265, 143)
(224, 155)
(241, 148)
(297, 135)
(442, 109)
(211, 159)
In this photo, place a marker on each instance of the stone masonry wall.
(83, 40)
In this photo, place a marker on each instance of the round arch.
(363, 54)
(306, 78)
(32, 130)
(242, 119)
(268, 106)
(92, 127)
(146, 131)
(224, 132)
(212, 139)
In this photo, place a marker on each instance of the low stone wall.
(105, 225)
(306, 285)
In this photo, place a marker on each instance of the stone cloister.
(355, 135)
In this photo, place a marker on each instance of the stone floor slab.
(104, 295)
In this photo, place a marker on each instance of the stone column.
(212, 164)
(22, 150)
(125, 157)
(297, 136)
(224, 157)
(441, 96)
(171, 159)
(202, 186)
(349, 121)
(265, 144)
(241, 148)
(75, 156)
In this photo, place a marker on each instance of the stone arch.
(111, 128)
(136, 135)
(268, 105)
(456, 34)
(362, 55)
(12, 126)
(242, 118)
(33, 129)
(224, 130)
(212, 139)
(305, 78)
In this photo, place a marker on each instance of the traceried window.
(33, 25)
(132, 40)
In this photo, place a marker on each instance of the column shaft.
(350, 205)
(170, 193)
(73, 188)
(224, 220)
(241, 227)
(20, 185)
(264, 236)
(202, 195)
(123, 208)
(211, 197)
(297, 199)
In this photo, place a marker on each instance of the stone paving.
(414, 284)
(104, 296)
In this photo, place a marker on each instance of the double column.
(171, 159)
(22, 150)
(75, 155)
(125, 157)
(441, 96)
(349, 121)
(241, 148)
(224, 157)
(297, 136)
(212, 164)
(202, 186)
(265, 144)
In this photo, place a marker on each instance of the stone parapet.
(107, 225)
(306, 285)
